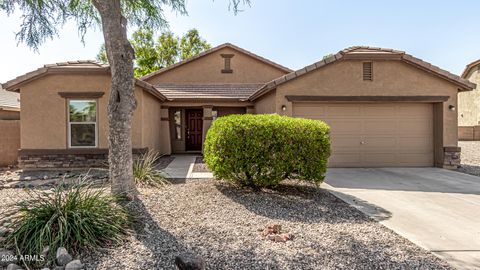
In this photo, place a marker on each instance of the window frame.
(214, 115)
(69, 123)
(175, 125)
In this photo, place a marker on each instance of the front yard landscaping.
(223, 224)
(470, 156)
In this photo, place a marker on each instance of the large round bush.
(262, 150)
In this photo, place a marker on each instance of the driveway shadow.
(296, 202)
(469, 169)
(404, 179)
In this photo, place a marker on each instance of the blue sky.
(292, 33)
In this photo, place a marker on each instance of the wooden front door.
(194, 130)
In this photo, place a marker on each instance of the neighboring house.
(9, 105)
(9, 127)
(385, 107)
(469, 105)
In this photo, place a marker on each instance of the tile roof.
(9, 100)
(207, 91)
(469, 67)
(370, 53)
(73, 66)
(212, 50)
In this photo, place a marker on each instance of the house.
(9, 127)
(9, 105)
(385, 107)
(469, 105)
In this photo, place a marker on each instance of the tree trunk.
(121, 104)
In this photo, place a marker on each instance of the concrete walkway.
(182, 168)
(436, 209)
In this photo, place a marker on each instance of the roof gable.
(211, 51)
(469, 68)
(78, 67)
(367, 53)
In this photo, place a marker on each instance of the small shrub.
(144, 170)
(78, 217)
(262, 150)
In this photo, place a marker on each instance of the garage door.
(376, 135)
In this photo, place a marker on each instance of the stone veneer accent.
(451, 157)
(66, 158)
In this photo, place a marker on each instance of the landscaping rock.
(189, 261)
(74, 265)
(6, 257)
(63, 257)
(13, 266)
(45, 251)
(272, 229)
(273, 233)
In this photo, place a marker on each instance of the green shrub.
(262, 150)
(144, 171)
(78, 217)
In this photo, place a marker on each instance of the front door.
(194, 130)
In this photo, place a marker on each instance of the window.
(227, 59)
(214, 115)
(177, 121)
(367, 71)
(82, 123)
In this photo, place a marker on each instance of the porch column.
(165, 131)
(207, 121)
(251, 110)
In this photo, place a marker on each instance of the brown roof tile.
(207, 91)
(365, 52)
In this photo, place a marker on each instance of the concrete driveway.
(437, 209)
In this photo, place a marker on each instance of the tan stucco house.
(9, 105)
(385, 107)
(469, 105)
(9, 127)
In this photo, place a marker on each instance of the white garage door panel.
(375, 135)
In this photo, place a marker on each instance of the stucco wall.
(9, 115)
(266, 103)
(151, 132)
(223, 111)
(391, 78)
(9, 142)
(469, 102)
(207, 69)
(44, 111)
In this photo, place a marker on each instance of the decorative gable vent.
(367, 71)
(227, 59)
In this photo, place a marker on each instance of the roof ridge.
(407, 58)
(469, 67)
(373, 48)
(211, 50)
(75, 62)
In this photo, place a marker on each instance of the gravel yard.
(223, 224)
(200, 165)
(470, 156)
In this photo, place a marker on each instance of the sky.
(291, 33)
